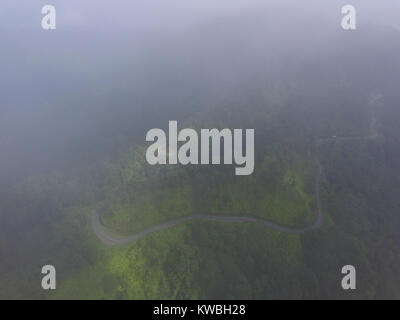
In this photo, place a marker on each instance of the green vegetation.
(198, 259)
(193, 261)
(280, 190)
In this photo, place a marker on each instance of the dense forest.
(86, 147)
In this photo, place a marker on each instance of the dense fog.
(76, 103)
(110, 69)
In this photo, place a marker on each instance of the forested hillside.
(311, 105)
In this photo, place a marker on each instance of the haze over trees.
(75, 108)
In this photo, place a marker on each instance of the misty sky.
(107, 14)
(63, 88)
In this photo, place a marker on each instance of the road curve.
(114, 240)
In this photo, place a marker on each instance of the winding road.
(113, 240)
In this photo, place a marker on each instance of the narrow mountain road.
(114, 240)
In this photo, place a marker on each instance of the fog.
(114, 69)
(76, 103)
